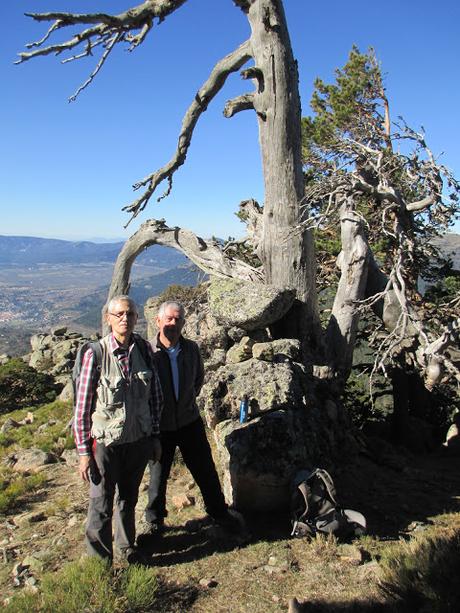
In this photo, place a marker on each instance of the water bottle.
(244, 406)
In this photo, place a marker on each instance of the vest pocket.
(110, 393)
(141, 384)
(106, 425)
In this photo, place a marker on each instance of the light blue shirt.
(173, 352)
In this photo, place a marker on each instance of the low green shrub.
(139, 586)
(12, 489)
(21, 385)
(89, 585)
(186, 294)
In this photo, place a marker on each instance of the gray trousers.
(116, 473)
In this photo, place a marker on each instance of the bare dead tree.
(280, 232)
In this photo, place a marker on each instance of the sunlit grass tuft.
(423, 573)
(89, 585)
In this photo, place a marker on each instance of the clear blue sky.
(66, 170)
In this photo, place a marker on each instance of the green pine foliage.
(349, 142)
(21, 385)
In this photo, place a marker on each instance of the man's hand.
(83, 467)
(156, 449)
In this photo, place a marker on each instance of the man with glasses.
(181, 372)
(117, 412)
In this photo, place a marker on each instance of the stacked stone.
(55, 354)
(285, 430)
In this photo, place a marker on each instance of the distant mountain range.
(46, 282)
(30, 251)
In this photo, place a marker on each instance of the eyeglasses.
(127, 314)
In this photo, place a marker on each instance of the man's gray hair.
(174, 304)
(121, 298)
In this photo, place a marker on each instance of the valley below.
(36, 296)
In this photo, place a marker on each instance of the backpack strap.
(305, 491)
(96, 348)
(328, 483)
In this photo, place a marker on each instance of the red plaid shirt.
(86, 391)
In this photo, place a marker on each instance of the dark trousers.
(196, 453)
(116, 467)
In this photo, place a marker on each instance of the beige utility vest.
(122, 412)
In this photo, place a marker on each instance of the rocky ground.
(202, 570)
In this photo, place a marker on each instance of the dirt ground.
(202, 571)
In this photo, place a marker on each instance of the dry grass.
(413, 510)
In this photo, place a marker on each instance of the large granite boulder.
(286, 429)
(269, 386)
(246, 305)
(260, 457)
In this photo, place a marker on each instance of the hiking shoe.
(150, 530)
(132, 555)
(233, 524)
(198, 523)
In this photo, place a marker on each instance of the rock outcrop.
(246, 305)
(286, 429)
(55, 353)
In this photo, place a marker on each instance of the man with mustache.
(180, 368)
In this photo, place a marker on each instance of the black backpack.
(314, 508)
(76, 370)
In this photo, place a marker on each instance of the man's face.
(170, 324)
(122, 319)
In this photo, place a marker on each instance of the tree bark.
(206, 254)
(287, 255)
(353, 262)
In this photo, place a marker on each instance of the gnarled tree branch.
(236, 105)
(230, 63)
(107, 30)
(206, 254)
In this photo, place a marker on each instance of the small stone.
(263, 351)
(73, 521)
(240, 352)
(369, 570)
(180, 501)
(9, 424)
(29, 518)
(208, 582)
(275, 598)
(70, 457)
(351, 555)
(31, 460)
